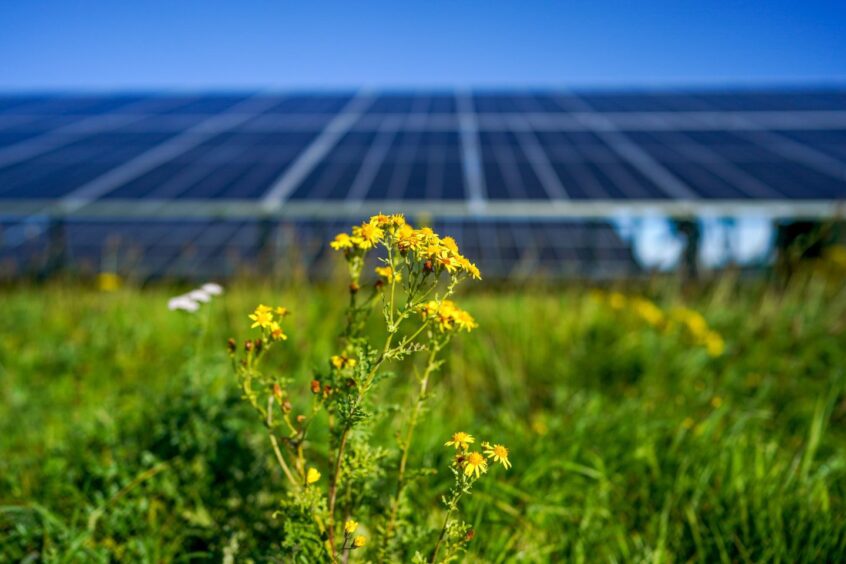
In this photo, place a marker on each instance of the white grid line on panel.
(67, 134)
(634, 155)
(751, 126)
(540, 162)
(725, 169)
(471, 157)
(373, 160)
(284, 186)
(164, 152)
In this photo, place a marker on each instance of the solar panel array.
(178, 173)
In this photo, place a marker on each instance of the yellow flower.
(714, 344)
(408, 238)
(342, 241)
(617, 300)
(368, 235)
(447, 315)
(282, 311)
(108, 281)
(460, 440)
(262, 317)
(448, 262)
(380, 220)
(388, 273)
(342, 361)
(359, 541)
(450, 244)
(469, 267)
(475, 463)
(350, 526)
(694, 321)
(312, 476)
(497, 453)
(464, 320)
(276, 332)
(648, 311)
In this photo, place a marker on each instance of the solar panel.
(502, 169)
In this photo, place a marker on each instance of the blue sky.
(186, 44)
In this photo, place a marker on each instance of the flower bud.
(231, 345)
(354, 287)
(315, 387)
(277, 391)
(248, 345)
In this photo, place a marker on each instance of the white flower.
(199, 296)
(212, 289)
(183, 303)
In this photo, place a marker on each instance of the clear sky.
(245, 44)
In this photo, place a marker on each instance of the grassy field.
(123, 436)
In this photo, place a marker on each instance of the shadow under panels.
(200, 248)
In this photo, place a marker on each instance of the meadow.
(123, 435)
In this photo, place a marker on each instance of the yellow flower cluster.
(699, 330)
(648, 311)
(474, 463)
(341, 361)
(263, 317)
(366, 235)
(439, 252)
(447, 315)
(642, 307)
(388, 273)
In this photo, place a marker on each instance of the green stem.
(441, 537)
(406, 446)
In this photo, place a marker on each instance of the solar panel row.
(386, 149)
(203, 249)
(408, 161)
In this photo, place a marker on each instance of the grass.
(122, 436)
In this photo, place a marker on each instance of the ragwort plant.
(418, 274)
